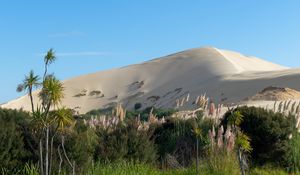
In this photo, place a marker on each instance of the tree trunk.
(197, 158)
(41, 157)
(47, 152)
(241, 161)
(31, 100)
(65, 153)
(73, 167)
(60, 160)
(51, 154)
(45, 73)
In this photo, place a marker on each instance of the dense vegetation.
(53, 140)
(163, 148)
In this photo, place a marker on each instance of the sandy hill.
(225, 76)
(275, 94)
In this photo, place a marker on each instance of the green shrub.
(144, 114)
(268, 132)
(126, 141)
(15, 141)
(176, 137)
(80, 146)
(97, 112)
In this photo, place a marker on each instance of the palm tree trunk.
(51, 154)
(51, 151)
(45, 73)
(197, 158)
(31, 100)
(241, 161)
(47, 152)
(41, 157)
(73, 173)
(60, 160)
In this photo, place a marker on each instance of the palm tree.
(48, 59)
(63, 117)
(51, 95)
(28, 84)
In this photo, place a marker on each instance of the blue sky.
(90, 36)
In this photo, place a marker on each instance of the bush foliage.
(269, 133)
(16, 144)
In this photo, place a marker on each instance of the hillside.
(225, 76)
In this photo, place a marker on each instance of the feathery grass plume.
(293, 108)
(220, 137)
(120, 112)
(138, 119)
(197, 100)
(105, 122)
(298, 108)
(177, 103)
(298, 121)
(219, 110)
(284, 106)
(187, 97)
(274, 107)
(280, 107)
(229, 139)
(206, 103)
(212, 108)
(182, 101)
(202, 102)
(212, 135)
(152, 117)
(288, 104)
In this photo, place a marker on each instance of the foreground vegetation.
(54, 140)
(127, 147)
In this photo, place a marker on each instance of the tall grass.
(294, 152)
(221, 162)
(268, 171)
(28, 169)
(122, 168)
(131, 168)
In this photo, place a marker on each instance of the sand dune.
(275, 94)
(225, 76)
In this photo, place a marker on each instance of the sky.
(90, 36)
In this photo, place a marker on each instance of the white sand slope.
(225, 76)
